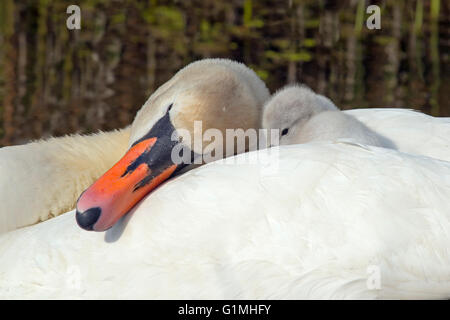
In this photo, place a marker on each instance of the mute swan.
(221, 93)
(53, 173)
(304, 116)
(318, 220)
(50, 175)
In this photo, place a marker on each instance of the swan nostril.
(88, 218)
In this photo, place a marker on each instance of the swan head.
(167, 135)
(291, 107)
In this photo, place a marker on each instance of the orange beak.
(146, 165)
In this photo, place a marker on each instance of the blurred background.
(55, 81)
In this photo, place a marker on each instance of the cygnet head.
(292, 106)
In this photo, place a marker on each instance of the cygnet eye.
(285, 131)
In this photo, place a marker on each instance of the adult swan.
(317, 220)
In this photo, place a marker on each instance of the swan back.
(411, 131)
(346, 211)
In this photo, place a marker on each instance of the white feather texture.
(305, 221)
(43, 179)
(312, 117)
(334, 219)
(411, 131)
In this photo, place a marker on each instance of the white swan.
(44, 179)
(222, 94)
(307, 222)
(51, 174)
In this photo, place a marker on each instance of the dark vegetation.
(55, 81)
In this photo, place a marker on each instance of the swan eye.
(170, 107)
(285, 131)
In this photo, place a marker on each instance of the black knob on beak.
(88, 218)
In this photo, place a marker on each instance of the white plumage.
(314, 221)
(43, 179)
(330, 219)
(411, 131)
